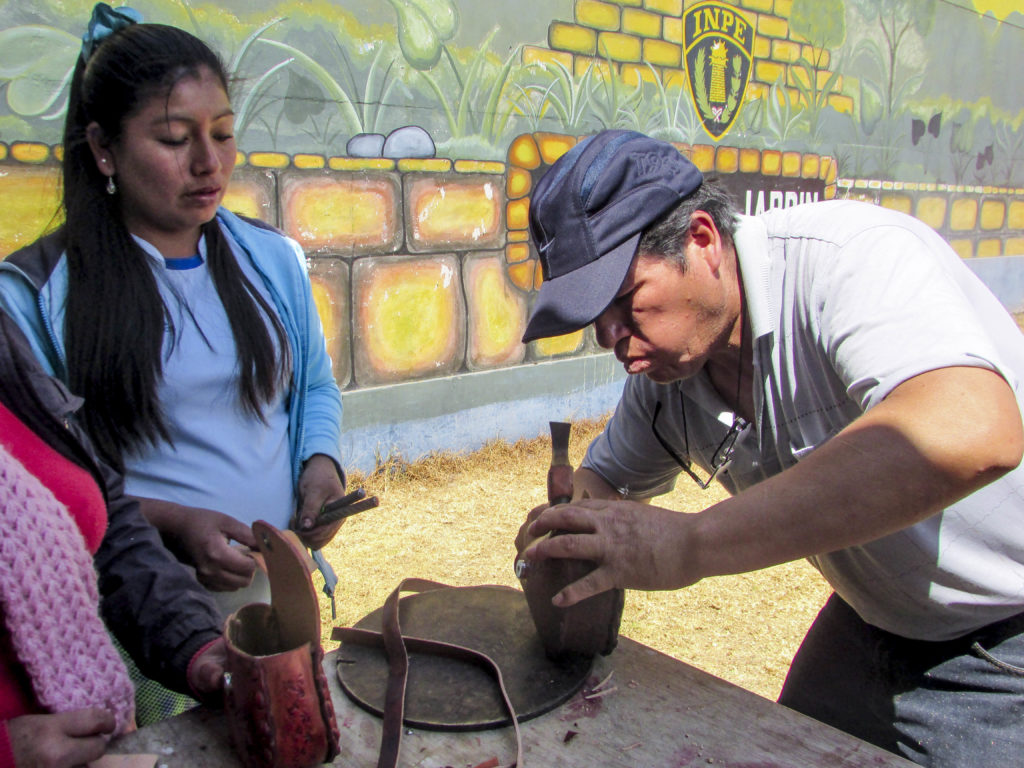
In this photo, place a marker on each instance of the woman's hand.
(62, 740)
(319, 483)
(202, 538)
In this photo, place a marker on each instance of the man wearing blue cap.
(853, 385)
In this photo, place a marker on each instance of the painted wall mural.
(399, 140)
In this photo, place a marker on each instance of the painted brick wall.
(423, 268)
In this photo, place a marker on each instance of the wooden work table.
(654, 712)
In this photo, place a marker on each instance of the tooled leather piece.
(277, 701)
(397, 646)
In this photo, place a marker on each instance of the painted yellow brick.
(523, 152)
(517, 235)
(784, 50)
(583, 65)
(634, 74)
(598, 15)
(642, 23)
(820, 57)
(673, 78)
(361, 164)
(1015, 215)
(345, 213)
(750, 160)
(932, 211)
(554, 145)
(772, 26)
(30, 152)
(516, 213)
(558, 345)
(791, 162)
(518, 183)
(756, 91)
(629, 3)
(989, 246)
(572, 37)
(269, 159)
(309, 162)
(521, 275)
(618, 47)
(963, 248)
(517, 252)
(810, 164)
(29, 198)
(454, 212)
(762, 48)
(496, 317)
(672, 29)
(757, 5)
(662, 54)
(703, 156)
(841, 104)
(963, 216)
(768, 71)
(1015, 246)
(479, 166)
(727, 160)
(408, 318)
(993, 214)
(901, 203)
(424, 165)
(667, 7)
(533, 54)
(829, 170)
(783, 8)
(771, 162)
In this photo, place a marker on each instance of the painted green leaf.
(416, 36)
(442, 14)
(38, 62)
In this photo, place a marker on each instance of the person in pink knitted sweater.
(68, 536)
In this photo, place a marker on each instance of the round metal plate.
(448, 694)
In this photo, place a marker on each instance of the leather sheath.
(277, 702)
(588, 628)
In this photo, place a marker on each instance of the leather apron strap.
(397, 646)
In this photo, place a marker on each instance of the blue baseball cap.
(587, 215)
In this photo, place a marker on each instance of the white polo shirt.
(847, 300)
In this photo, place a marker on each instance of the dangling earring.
(111, 186)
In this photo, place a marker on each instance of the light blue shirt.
(220, 457)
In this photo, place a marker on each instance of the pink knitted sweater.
(50, 602)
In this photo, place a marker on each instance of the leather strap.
(396, 646)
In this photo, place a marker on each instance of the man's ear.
(100, 147)
(705, 239)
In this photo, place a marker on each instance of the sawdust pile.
(453, 518)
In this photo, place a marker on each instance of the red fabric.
(76, 489)
(73, 486)
(6, 755)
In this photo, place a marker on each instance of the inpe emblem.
(718, 42)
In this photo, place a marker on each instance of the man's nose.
(610, 326)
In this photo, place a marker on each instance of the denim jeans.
(950, 704)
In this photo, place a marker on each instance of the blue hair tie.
(105, 21)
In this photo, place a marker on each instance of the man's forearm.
(937, 438)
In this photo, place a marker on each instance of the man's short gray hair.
(667, 236)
